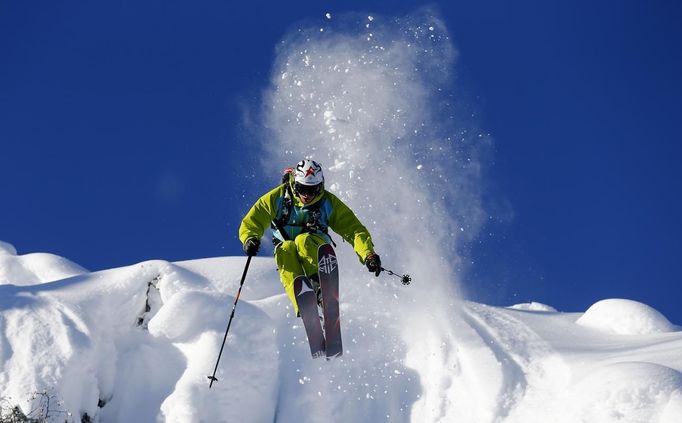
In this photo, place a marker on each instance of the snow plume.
(369, 97)
(365, 96)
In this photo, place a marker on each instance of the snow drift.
(625, 317)
(34, 268)
(137, 344)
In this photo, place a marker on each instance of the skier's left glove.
(373, 263)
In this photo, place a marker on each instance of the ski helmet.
(308, 178)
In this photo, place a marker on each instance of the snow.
(90, 339)
(625, 317)
(33, 268)
(533, 306)
(7, 249)
(629, 391)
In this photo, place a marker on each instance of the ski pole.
(405, 279)
(246, 268)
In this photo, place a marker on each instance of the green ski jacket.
(330, 212)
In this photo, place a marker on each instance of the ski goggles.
(307, 190)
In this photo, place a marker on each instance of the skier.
(300, 211)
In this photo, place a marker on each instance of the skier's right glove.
(251, 246)
(373, 263)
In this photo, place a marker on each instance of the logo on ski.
(305, 287)
(327, 264)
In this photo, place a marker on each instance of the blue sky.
(124, 138)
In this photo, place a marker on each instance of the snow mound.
(7, 249)
(137, 344)
(35, 268)
(533, 306)
(629, 391)
(625, 317)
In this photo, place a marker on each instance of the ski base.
(328, 272)
(307, 307)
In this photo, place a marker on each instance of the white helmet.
(308, 177)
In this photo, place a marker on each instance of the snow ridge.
(137, 343)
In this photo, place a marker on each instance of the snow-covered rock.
(625, 317)
(35, 268)
(7, 249)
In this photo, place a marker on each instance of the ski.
(307, 307)
(328, 271)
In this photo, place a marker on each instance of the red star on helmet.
(310, 171)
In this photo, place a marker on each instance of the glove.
(373, 263)
(251, 246)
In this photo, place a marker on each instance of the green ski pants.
(296, 258)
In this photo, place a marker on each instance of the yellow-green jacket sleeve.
(258, 218)
(344, 222)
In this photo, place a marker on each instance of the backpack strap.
(287, 204)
